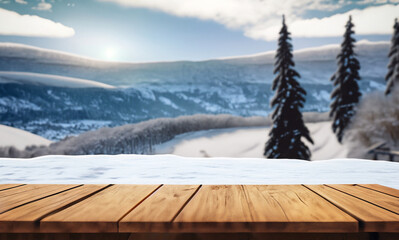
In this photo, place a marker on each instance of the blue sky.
(159, 30)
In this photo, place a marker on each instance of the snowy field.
(170, 169)
(248, 142)
(20, 139)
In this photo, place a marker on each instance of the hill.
(20, 139)
(236, 85)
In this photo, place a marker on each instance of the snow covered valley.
(55, 94)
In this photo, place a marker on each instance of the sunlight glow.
(110, 54)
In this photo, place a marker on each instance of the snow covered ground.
(49, 80)
(248, 142)
(20, 139)
(170, 169)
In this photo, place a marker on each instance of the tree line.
(288, 128)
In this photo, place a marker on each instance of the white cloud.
(12, 23)
(261, 19)
(21, 1)
(43, 6)
(371, 20)
(232, 13)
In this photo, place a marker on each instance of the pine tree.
(288, 126)
(393, 67)
(346, 94)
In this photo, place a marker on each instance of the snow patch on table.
(171, 169)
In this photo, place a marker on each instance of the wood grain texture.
(216, 208)
(99, 213)
(15, 197)
(372, 218)
(157, 212)
(380, 188)
(176, 211)
(65, 236)
(294, 208)
(380, 199)
(9, 186)
(253, 236)
(23, 219)
(197, 236)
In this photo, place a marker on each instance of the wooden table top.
(50, 208)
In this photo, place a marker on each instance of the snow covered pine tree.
(346, 94)
(392, 76)
(288, 126)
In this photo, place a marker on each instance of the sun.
(110, 53)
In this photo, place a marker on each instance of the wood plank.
(215, 208)
(13, 191)
(99, 213)
(380, 199)
(15, 197)
(65, 236)
(387, 190)
(373, 218)
(200, 236)
(23, 219)
(157, 212)
(294, 208)
(255, 236)
(9, 186)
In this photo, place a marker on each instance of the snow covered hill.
(20, 139)
(238, 86)
(141, 138)
(23, 51)
(170, 169)
(248, 142)
(49, 80)
(321, 53)
(315, 65)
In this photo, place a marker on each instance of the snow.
(20, 139)
(171, 169)
(17, 50)
(377, 85)
(324, 52)
(49, 80)
(168, 102)
(248, 142)
(323, 95)
(17, 104)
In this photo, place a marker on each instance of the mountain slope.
(314, 64)
(20, 139)
(236, 85)
(49, 80)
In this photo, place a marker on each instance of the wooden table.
(36, 211)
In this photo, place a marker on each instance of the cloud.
(261, 19)
(43, 6)
(371, 20)
(12, 23)
(21, 1)
(232, 13)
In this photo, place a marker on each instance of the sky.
(170, 30)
